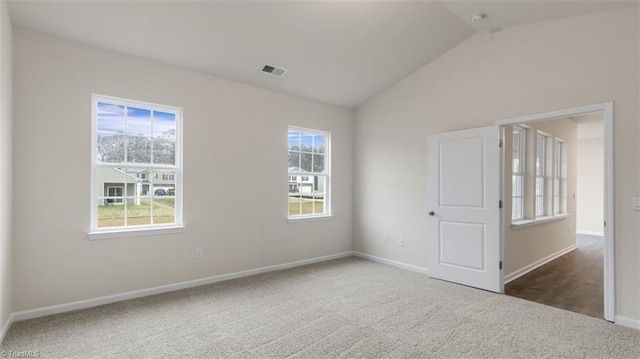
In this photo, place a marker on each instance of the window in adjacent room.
(309, 173)
(518, 158)
(560, 177)
(541, 142)
(136, 178)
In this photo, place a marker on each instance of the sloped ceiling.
(336, 52)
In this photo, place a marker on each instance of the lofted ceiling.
(337, 52)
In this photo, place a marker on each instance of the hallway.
(573, 282)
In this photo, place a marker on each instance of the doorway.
(566, 276)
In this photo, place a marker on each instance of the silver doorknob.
(432, 213)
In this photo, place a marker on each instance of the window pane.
(110, 118)
(294, 161)
(294, 140)
(164, 151)
(307, 205)
(164, 125)
(138, 149)
(110, 148)
(305, 162)
(517, 186)
(539, 208)
(138, 211)
(164, 183)
(319, 184)
(318, 163)
(138, 122)
(318, 143)
(517, 208)
(295, 207)
(163, 210)
(136, 179)
(539, 186)
(110, 183)
(306, 142)
(110, 214)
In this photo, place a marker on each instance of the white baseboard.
(5, 327)
(627, 322)
(524, 270)
(83, 304)
(591, 233)
(390, 262)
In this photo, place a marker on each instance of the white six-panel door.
(463, 193)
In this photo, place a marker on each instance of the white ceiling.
(517, 12)
(337, 52)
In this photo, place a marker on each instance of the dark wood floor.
(573, 282)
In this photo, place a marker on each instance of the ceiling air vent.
(272, 70)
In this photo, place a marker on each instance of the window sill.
(309, 219)
(137, 232)
(533, 222)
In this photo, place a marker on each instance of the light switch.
(636, 203)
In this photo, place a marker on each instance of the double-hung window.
(560, 178)
(541, 142)
(136, 175)
(518, 165)
(309, 173)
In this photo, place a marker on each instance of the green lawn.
(307, 206)
(113, 215)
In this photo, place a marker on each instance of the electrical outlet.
(401, 241)
(385, 239)
(199, 253)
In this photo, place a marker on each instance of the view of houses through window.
(135, 164)
(308, 172)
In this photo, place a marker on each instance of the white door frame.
(606, 108)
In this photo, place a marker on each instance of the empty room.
(319, 179)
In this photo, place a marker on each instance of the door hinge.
(605, 223)
(500, 265)
(500, 143)
(500, 204)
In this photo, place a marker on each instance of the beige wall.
(590, 184)
(522, 70)
(529, 244)
(232, 132)
(6, 172)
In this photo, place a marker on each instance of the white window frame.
(560, 177)
(326, 174)
(546, 174)
(520, 175)
(540, 175)
(137, 230)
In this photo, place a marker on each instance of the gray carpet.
(348, 308)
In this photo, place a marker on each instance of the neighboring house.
(301, 183)
(113, 183)
(161, 180)
(138, 184)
